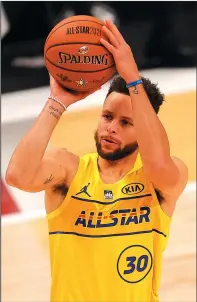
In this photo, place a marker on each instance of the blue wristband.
(132, 84)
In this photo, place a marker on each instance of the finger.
(110, 47)
(114, 30)
(52, 80)
(111, 37)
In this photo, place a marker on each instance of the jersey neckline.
(137, 165)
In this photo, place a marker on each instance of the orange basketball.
(74, 55)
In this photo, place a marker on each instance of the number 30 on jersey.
(134, 263)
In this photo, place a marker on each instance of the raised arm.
(167, 174)
(31, 167)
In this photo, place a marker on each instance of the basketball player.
(109, 212)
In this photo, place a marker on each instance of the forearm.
(151, 135)
(28, 155)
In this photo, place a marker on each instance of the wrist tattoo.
(48, 179)
(135, 91)
(55, 112)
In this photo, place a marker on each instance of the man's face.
(115, 137)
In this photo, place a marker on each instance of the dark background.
(161, 34)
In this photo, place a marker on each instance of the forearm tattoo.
(48, 180)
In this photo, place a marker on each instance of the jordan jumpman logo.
(84, 190)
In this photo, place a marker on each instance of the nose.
(112, 128)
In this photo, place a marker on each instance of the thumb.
(52, 80)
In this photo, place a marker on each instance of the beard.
(117, 154)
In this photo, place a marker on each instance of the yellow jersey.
(106, 240)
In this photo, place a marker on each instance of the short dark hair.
(154, 94)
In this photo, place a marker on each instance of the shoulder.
(62, 159)
(91, 155)
(88, 158)
(178, 169)
(183, 170)
(171, 195)
(182, 178)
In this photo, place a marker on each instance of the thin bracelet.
(132, 84)
(55, 100)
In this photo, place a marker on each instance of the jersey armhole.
(66, 200)
(157, 203)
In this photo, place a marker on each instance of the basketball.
(74, 55)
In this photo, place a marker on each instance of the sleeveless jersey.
(106, 240)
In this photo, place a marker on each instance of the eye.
(107, 117)
(124, 122)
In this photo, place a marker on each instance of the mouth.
(109, 140)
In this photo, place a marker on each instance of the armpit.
(160, 197)
(61, 189)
